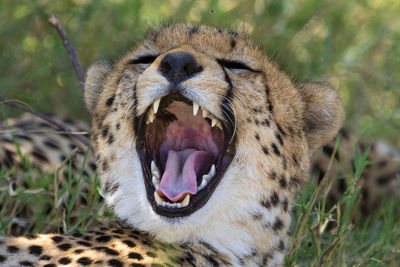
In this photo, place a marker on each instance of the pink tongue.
(179, 178)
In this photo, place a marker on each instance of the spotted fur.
(278, 127)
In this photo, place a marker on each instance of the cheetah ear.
(323, 114)
(95, 80)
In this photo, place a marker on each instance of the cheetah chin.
(184, 151)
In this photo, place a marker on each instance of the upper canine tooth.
(213, 122)
(219, 125)
(156, 104)
(151, 116)
(186, 201)
(157, 198)
(195, 108)
(205, 113)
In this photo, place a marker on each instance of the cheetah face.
(186, 137)
(195, 128)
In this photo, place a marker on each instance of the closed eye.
(145, 60)
(235, 66)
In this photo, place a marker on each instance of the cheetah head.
(199, 136)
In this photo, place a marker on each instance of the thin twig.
(73, 55)
(57, 124)
(41, 131)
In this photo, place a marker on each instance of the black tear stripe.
(136, 120)
(226, 105)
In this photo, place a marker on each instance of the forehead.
(218, 43)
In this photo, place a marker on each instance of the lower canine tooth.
(186, 201)
(206, 177)
(202, 185)
(158, 199)
(212, 171)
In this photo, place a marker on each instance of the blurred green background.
(354, 45)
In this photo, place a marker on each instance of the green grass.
(34, 202)
(351, 241)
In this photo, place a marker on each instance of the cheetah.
(201, 145)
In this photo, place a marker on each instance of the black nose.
(177, 67)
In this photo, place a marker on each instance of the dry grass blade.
(299, 231)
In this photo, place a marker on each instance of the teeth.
(171, 205)
(212, 171)
(154, 170)
(202, 185)
(215, 122)
(182, 204)
(205, 113)
(155, 182)
(156, 104)
(206, 178)
(195, 108)
(151, 113)
(150, 117)
(186, 201)
(158, 199)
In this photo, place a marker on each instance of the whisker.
(226, 109)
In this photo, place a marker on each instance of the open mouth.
(184, 151)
